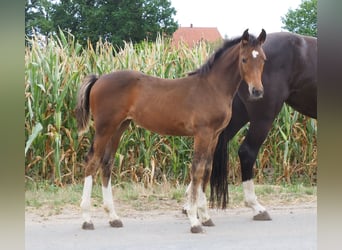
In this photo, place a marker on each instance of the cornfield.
(54, 152)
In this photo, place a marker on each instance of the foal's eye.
(244, 60)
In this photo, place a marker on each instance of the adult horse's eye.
(244, 60)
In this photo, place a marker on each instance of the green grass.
(50, 199)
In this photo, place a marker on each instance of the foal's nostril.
(257, 93)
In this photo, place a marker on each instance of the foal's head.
(251, 62)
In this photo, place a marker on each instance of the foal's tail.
(82, 108)
(219, 174)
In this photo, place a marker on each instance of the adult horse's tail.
(219, 174)
(82, 108)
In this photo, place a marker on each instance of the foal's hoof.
(184, 211)
(88, 226)
(196, 229)
(116, 223)
(262, 216)
(208, 223)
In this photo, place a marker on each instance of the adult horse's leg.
(107, 164)
(261, 115)
(248, 152)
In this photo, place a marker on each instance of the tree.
(112, 20)
(37, 17)
(302, 20)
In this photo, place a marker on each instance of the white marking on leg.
(86, 198)
(250, 197)
(192, 209)
(108, 203)
(202, 205)
(186, 206)
(255, 53)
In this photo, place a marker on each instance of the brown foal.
(198, 105)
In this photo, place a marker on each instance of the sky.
(233, 17)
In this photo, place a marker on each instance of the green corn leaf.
(35, 132)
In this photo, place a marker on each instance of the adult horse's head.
(251, 64)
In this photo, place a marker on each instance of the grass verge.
(46, 199)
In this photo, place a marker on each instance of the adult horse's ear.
(245, 37)
(262, 36)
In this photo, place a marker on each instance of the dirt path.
(292, 227)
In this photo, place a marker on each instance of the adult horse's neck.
(225, 73)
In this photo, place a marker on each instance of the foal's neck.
(226, 73)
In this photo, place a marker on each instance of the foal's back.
(164, 106)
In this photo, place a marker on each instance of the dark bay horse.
(289, 76)
(198, 105)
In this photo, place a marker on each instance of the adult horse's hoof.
(196, 229)
(262, 216)
(116, 223)
(208, 223)
(88, 226)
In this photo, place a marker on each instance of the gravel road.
(292, 227)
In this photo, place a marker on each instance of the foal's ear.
(262, 36)
(245, 37)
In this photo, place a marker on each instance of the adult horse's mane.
(206, 67)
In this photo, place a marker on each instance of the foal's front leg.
(202, 210)
(202, 207)
(198, 208)
(192, 208)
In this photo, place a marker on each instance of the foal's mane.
(205, 68)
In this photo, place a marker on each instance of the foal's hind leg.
(99, 155)
(108, 203)
(92, 165)
(86, 203)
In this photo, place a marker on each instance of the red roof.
(192, 35)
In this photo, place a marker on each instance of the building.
(192, 35)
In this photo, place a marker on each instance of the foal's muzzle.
(256, 93)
